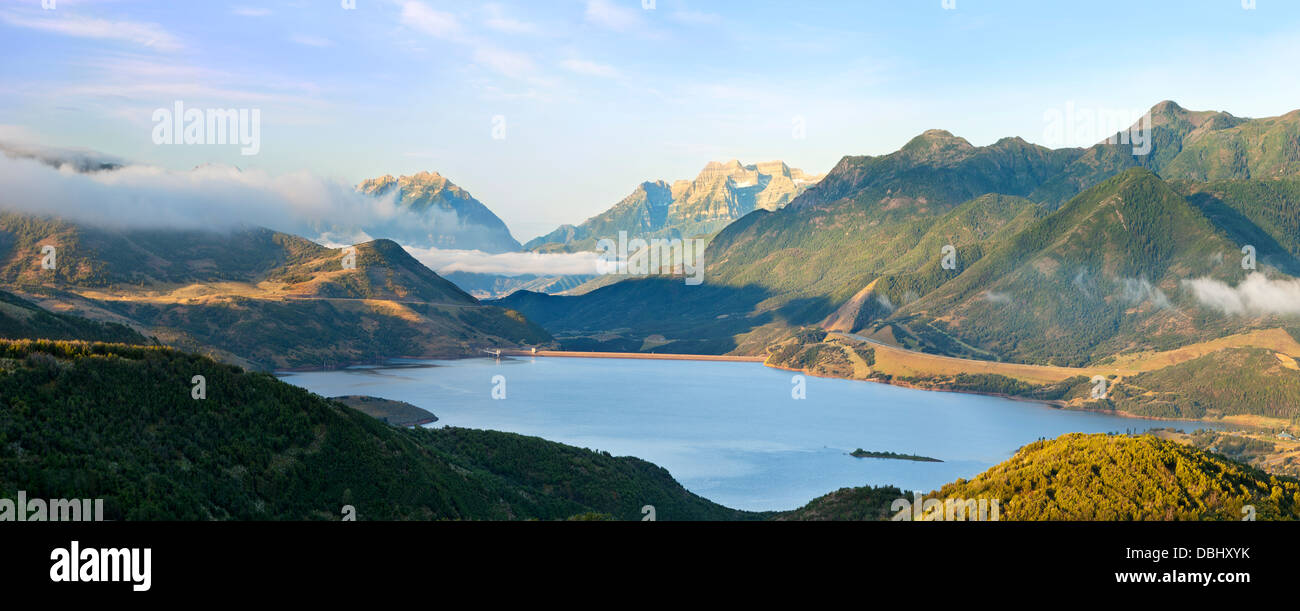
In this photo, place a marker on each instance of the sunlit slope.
(254, 296)
(1116, 477)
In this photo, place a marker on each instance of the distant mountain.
(449, 217)
(76, 160)
(494, 286)
(253, 296)
(1057, 256)
(720, 194)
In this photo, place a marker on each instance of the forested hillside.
(120, 422)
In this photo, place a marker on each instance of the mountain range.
(253, 296)
(720, 194)
(1011, 268)
(1059, 256)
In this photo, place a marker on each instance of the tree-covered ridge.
(865, 503)
(1251, 381)
(1085, 258)
(1121, 477)
(119, 422)
(1262, 213)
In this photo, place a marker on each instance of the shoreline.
(763, 360)
(650, 356)
(1044, 402)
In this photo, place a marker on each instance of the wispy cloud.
(423, 18)
(499, 21)
(508, 264)
(509, 63)
(613, 16)
(144, 34)
(590, 68)
(446, 26)
(247, 11)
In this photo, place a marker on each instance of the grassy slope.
(254, 296)
(20, 319)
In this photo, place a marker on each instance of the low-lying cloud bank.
(1257, 294)
(210, 196)
(508, 264)
(95, 189)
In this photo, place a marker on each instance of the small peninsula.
(396, 413)
(861, 453)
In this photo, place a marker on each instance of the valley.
(1099, 289)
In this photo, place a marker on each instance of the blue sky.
(599, 95)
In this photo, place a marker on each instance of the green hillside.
(1251, 381)
(1094, 278)
(1262, 213)
(1115, 477)
(1093, 477)
(119, 422)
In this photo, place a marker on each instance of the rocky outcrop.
(445, 215)
(720, 194)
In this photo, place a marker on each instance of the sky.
(551, 111)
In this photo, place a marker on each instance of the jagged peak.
(428, 175)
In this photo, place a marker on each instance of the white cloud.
(207, 196)
(590, 68)
(149, 35)
(497, 20)
(246, 11)
(609, 15)
(1257, 294)
(446, 26)
(509, 264)
(993, 297)
(1139, 290)
(509, 63)
(423, 18)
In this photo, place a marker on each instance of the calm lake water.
(730, 432)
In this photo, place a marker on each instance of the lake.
(728, 431)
